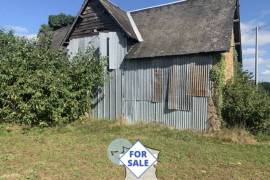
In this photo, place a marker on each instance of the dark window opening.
(108, 54)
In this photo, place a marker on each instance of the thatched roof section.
(120, 16)
(59, 35)
(181, 28)
(189, 27)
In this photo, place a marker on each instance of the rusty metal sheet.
(178, 84)
(173, 88)
(157, 85)
(198, 80)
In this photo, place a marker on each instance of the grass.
(78, 151)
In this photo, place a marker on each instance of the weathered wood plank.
(94, 18)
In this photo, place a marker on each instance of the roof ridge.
(157, 6)
(134, 27)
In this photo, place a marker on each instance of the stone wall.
(229, 58)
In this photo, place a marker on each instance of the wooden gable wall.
(94, 19)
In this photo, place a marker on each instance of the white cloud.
(29, 36)
(264, 68)
(248, 33)
(247, 52)
(261, 61)
(16, 29)
(266, 72)
(20, 31)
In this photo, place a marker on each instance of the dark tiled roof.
(58, 36)
(189, 27)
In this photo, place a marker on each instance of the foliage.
(265, 86)
(45, 36)
(60, 20)
(245, 105)
(217, 76)
(41, 86)
(54, 22)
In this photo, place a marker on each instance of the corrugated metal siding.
(170, 90)
(108, 103)
(117, 48)
(190, 112)
(110, 107)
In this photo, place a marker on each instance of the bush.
(245, 105)
(265, 86)
(41, 86)
(60, 20)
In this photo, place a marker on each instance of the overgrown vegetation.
(245, 104)
(239, 102)
(79, 151)
(61, 20)
(55, 22)
(217, 76)
(265, 86)
(41, 86)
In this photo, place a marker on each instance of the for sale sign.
(138, 159)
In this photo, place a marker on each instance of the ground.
(78, 151)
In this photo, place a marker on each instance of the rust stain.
(173, 88)
(198, 81)
(157, 86)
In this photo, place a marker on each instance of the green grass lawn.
(78, 151)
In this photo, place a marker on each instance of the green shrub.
(217, 77)
(265, 86)
(60, 20)
(41, 86)
(245, 105)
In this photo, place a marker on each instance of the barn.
(159, 58)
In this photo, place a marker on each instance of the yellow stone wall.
(229, 59)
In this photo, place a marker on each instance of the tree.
(60, 20)
(41, 86)
(245, 105)
(265, 86)
(55, 22)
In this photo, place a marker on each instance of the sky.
(26, 16)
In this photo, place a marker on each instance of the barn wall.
(81, 44)
(171, 90)
(191, 96)
(229, 59)
(94, 19)
(108, 100)
(129, 92)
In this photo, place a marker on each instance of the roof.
(179, 28)
(59, 35)
(189, 27)
(118, 15)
